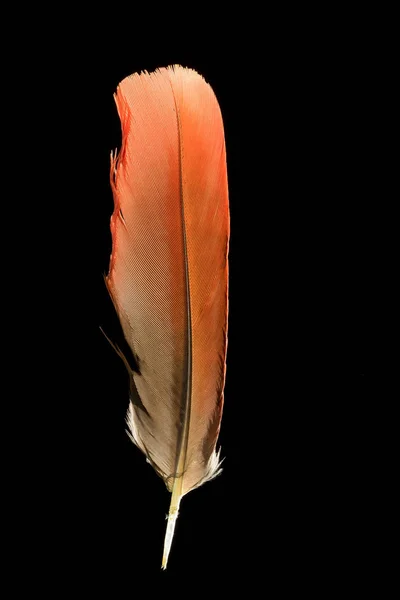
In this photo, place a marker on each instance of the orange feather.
(168, 274)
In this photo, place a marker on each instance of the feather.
(168, 274)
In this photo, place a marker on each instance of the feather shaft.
(172, 518)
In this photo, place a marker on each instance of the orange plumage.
(168, 273)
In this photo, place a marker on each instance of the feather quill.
(168, 274)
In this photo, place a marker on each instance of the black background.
(288, 511)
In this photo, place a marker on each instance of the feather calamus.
(168, 274)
